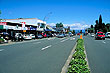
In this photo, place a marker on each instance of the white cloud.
(75, 26)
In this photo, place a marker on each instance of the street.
(38, 56)
(98, 54)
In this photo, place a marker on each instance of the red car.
(78, 33)
(44, 35)
(100, 35)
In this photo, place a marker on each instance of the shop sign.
(3, 23)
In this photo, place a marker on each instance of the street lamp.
(46, 18)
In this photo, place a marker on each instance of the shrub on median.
(78, 64)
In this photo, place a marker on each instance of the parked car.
(100, 35)
(92, 34)
(71, 35)
(60, 35)
(107, 35)
(17, 37)
(39, 36)
(78, 33)
(44, 35)
(33, 36)
(48, 35)
(5, 35)
(27, 37)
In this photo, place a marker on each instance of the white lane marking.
(103, 41)
(46, 47)
(1, 50)
(72, 39)
(63, 40)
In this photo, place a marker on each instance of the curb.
(86, 58)
(65, 67)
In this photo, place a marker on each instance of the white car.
(33, 36)
(92, 35)
(27, 37)
(107, 35)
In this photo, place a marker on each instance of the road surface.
(98, 52)
(39, 56)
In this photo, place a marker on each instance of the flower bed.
(78, 63)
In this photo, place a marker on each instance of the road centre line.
(46, 47)
(63, 40)
(1, 50)
(103, 42)
(72, 39)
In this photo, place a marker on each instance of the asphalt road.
(38, 56)
(98, 52)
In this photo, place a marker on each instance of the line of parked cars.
(20, 37)
(100, 35)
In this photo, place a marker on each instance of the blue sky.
(75, 13)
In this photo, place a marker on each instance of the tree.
(100, 20)
(73, 31)
(59, 25)
(92, 28)
(108, 27)
(96, 26)
(99, 25)
(0, 14)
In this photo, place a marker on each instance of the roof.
(23, 19)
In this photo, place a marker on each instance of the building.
(24, 26)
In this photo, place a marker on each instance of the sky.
(78, 14)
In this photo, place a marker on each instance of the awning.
(39, 29)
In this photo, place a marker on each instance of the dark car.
(39, 36)
(100, 35)
(17, 37)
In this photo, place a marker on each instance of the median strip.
(79, 63)
(46, 47)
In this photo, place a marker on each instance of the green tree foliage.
(0, 12)
(73, 31)
(92, 28)
(108, 27)
(99, 26)
(59, 25)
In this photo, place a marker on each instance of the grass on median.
(78, 63)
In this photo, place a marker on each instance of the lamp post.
(46, 17)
